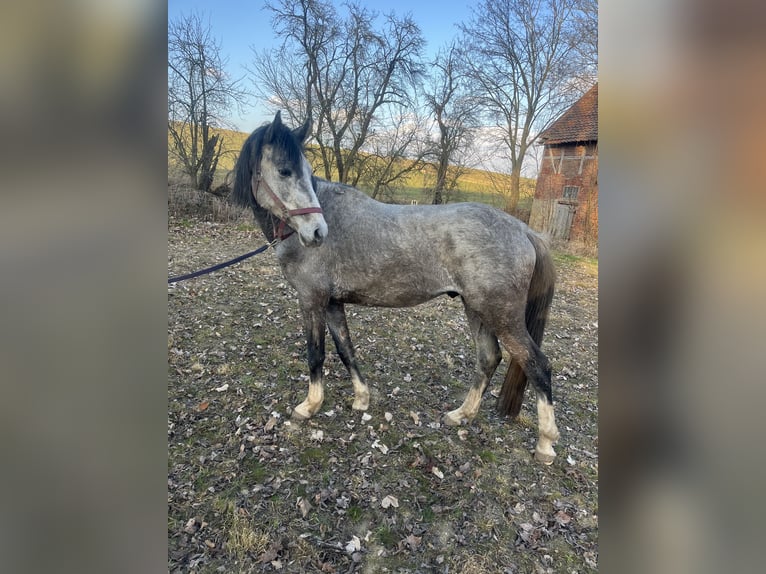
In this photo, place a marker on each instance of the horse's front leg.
(336, 320)
(314, 325)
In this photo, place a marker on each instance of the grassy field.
(474, 185)
(389, 491)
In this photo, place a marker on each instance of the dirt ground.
(390, 490)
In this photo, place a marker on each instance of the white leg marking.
(548, 433)
(455, 418)
(361, 395)
(467, 411)
(313, 402)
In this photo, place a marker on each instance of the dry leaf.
(270, 554)
(437, 472)
(389, 501)
(412, 541)
(366, 417)
(222, 388)
(415, 417)
(192, 525)
(203, 405)
(304, 506)
(388, 416)
(353, 545)
(562, 517)
(270, 424)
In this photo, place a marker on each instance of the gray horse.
(336, 245)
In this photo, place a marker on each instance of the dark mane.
(275, 134)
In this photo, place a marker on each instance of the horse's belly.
(388, 299)
(395, 294)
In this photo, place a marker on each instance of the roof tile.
(578, 124)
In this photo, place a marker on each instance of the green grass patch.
(253, 469)
(488, 456)
(386, 536)
(354, 513)
(313, 455)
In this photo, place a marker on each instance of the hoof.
(545, 458)
(300, 414)
(361, 405)
(454, 418)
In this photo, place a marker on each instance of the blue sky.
(240, 24)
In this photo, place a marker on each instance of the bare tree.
(454, 112)
(199, 95)
(352, 70)
(584, 41)
(395, 148)
(522, 68)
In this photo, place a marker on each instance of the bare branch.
(200, 96)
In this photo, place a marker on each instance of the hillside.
(473, 185)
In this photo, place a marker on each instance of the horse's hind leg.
(537, 368)
(487, 358)
(314, 321)
(336, 320)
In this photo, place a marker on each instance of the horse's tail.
(539, 300)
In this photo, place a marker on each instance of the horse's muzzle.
(312, 233)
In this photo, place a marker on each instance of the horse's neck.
(266, 222)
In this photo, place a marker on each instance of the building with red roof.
(566, 196)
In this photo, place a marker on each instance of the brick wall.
(568, 165)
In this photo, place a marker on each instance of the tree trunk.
(208, 163)
(513, 194)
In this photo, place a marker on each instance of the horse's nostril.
(318, 235)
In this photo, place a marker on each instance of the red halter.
(282, 212)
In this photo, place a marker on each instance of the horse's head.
(272, 172)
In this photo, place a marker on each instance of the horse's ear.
(302, 132)
(268, 136)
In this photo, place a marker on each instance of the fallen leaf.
(222, 388)
(388, 416)
(353, 545)
(412, 541)
(415, 417)
(562, 517)
(304, 506)
(192, 525)
(203, 405)
(366, 417)
(270, 424)
(270, 554)
(389, 501)
(437, 472)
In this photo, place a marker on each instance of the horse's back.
(396, 255)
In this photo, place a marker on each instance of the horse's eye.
(284, 172)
